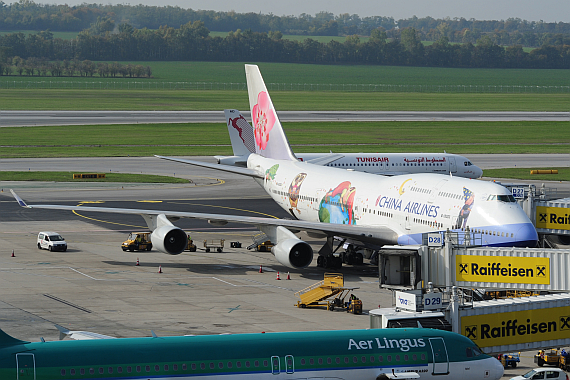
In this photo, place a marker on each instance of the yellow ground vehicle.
(191, 246)
(550, 357)
(137, 241)
(319, 294)
(265, 246)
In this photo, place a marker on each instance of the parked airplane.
(243, 144)
(345, 354)
(362, 208)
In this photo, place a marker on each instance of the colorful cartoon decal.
(263, 119)
(271, 172)
(401, 191)
(466, 209)
(337, 205)
(295, 188)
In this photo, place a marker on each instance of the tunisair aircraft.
(346, 354)
(326, 202)
(243, 144)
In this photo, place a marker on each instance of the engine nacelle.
(169, 239)
(293, 253)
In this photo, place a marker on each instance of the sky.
(532, 10)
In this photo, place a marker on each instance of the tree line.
(42, 67)
(28, 15)
(192, 42)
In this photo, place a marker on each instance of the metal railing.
(130, 84)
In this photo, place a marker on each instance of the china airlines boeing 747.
(367, 209)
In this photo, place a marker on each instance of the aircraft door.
(290, 364)
(452, 165)
(26, 366)
(440, 358)
(275, 365)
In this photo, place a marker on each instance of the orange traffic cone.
(288, 277)
(260, 269)
(160, 269)
(137, 262)
(13, 254)
(278, 278)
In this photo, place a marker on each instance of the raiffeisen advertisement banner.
(556, 218)
(525, 326)
(504, 269)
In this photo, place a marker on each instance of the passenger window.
(202, 365)
(212, 365)
(551, 375)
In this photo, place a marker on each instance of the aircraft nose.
(497, 369)
(479, 172)
(527, 236)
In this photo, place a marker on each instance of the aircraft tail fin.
(7, 340)
(270, 139)
(241, 133)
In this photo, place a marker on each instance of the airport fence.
(154, 85)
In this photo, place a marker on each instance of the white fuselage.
(401, 163)
(411, 204)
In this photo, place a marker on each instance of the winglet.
(19, 200)
(63, 332)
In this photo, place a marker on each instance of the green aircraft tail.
(7, 340)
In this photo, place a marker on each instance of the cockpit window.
(502, 198)
(476, 351)
(467, 163)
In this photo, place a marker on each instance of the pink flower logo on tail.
(263, 119)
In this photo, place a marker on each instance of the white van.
(52, 241)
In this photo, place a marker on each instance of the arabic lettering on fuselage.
(424, 159)
(411, 207)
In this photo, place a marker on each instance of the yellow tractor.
(137, 241)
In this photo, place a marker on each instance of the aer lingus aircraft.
(362, 208)
(345, 354)
(243, 144)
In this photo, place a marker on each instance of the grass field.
(68, 177)
(201, 100)
(524, 174)
(233, 72)
(205, 139)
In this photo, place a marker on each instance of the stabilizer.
(270, 139)
(7, 340)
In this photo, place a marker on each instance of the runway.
(48, 118)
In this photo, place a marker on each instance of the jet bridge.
(549, 212)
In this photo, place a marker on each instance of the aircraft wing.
(379, 235)
(225, 168)
(326, 159)
(80, 335)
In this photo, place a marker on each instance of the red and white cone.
(13, 254)
(260, 269)
(278, 277)
(137, 262)
(160, 269)
(288, 277)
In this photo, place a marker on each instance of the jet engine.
(169, 239)
(293, 253)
